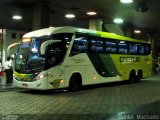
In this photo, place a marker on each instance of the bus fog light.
(94, 78)
(62, 81)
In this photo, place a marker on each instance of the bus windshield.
(29, 59)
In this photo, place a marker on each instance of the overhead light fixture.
(17, 17)
(126, 1)
(70, 16)
(118, 20)
(137, 31)
(91, 13)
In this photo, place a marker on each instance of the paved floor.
(112, 101)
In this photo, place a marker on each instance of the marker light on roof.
(137, 31)
(118, 20)
(126, 1)
(91, 13)
(17, 17)
(70, 16)
(26, 40)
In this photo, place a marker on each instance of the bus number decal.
(129, 59)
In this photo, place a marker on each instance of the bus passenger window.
(111, 47)
(123, 48)
(80, 45)
(141, 49)
(96, 46)
(147, 49)
(133, 49)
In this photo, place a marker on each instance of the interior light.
(17, 17)
(91, 13)
(20, 56)
(118, 20)
(122, 42)
(126, 1)
(34, 50)
(13, 56)
(79, 38)
(70, 16)
(137, 31)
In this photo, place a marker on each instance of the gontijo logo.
(129, 59)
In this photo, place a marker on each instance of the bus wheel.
(75, 82)
(132, 76)
(138, 79)
(139, 75)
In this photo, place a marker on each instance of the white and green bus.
(69, 57)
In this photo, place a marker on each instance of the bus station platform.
(111, 101)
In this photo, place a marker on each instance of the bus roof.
(69, 29)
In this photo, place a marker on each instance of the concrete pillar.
(152, 40)
(95, 24)
(41, 16)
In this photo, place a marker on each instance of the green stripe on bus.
(95, 35)
(109, 64)
(103, 64)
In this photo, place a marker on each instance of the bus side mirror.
(45, 44)
(12, 48)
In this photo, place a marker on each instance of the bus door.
(54, 55)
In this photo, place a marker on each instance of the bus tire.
(132, 76)
(139, 75)
(75, 82)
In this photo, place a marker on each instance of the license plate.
(24, 85)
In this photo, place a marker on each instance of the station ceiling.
(142, 14)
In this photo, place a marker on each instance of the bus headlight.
(41, 76)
